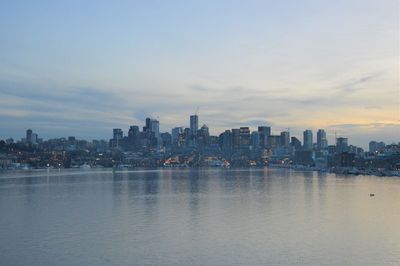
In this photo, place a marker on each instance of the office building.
(322, 142)
(244, 140)
(342, 145)
(255, 140)
(264, 133)
(194, 124)
(308, 139)
(29, 136)
(285, 139)
(175, 133)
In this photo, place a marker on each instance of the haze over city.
(83, 68)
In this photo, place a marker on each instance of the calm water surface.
(198, 217)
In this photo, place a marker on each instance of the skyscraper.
(264, 133)
(134, 137)
(235, 140)
(117, 134)
(175, 133)
(274, 141)
(194, 123)
(245, 141)
(296, 143)
(29, 136)
(285, 138)
(322, 142)
(255, 140)
(117, 138)
(227, 144)
(148, 126)
(308, 139)
(375, 146)
(341, 145)
(155, 127)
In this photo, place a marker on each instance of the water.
(198, 217)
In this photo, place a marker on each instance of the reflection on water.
(198, 217)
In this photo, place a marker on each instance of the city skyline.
(72, 68)
(229, 132)
(308, 137)
(191, 146)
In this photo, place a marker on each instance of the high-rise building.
(226, 144)
(341, 145)
(285, 138)
(274, 141)
(296, 143)
(203, 137)
(152, 126)
(372, 145)
(29, 136)
(155, 128)
(375, 146)
(166, 139)
(264, 133)
(147, 127)
(175, 133)
(134, 137)
(34, 139)
(244, 139)
(235, 140)
(322, 142)
(308, 139)
(205, 130)
(117, 134)
(181, 139)
(255, 140)
(194, 124)
(116, 141)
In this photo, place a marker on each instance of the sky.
(81, 68)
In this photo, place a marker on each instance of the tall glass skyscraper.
(322, 142)
(194, 123)
(307, 139)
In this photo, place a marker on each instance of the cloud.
(200, 88)
(366, 125)
(373, 107)
(77, 110)
(89, 111)
(356, 84)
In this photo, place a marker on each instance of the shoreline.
(334, 170)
